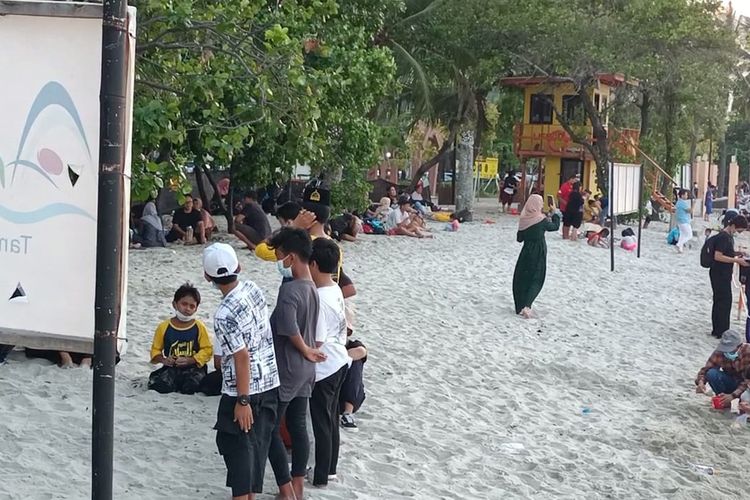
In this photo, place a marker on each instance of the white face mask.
(183, 317)
(285, 272)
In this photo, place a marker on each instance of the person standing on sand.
(573, 213)
(250, 378)
(508, 191)
(722, 267)
(293, 323)
(563, 195)
(708, 208)
(683, 215)
(531, 268)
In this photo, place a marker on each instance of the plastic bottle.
(704, 469)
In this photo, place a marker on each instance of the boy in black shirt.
(721, 274)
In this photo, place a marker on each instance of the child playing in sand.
(599, 239)
(181, 344)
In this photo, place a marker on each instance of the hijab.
(150, 216)
(532, 212)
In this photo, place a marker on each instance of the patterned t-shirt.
(242, 321)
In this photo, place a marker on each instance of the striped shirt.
(242, 321)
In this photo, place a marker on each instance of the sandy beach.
(592, 398)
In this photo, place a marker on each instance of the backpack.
(707, 252)
(673, 236)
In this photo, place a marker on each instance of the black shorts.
(574, 220)
(250, 233)
(245, 453)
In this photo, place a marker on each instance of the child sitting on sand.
(181, 344)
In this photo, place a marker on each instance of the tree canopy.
(259, 86)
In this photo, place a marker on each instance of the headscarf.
(531, 213)
(151, 217)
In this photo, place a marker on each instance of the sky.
(741, 6)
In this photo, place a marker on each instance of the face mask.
(731, 356)
(183, 317)
(285, 272)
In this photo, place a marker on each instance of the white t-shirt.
(331, 330)
(395, 217)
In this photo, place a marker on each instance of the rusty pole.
(109, 247)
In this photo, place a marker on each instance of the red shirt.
(564, 194)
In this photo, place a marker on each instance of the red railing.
(552, 140)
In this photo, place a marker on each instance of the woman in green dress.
(531, 268)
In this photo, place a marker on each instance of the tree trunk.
(481, 122)
(229, 213)
(215, 187)
(426, 166)
(722, 180)
(201, 188)
(645, 111)
(465, 174)
(669, 132)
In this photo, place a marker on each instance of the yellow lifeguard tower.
(541, 136)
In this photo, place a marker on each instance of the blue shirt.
(683, 211)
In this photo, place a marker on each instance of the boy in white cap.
(249, 400)
(726, 367)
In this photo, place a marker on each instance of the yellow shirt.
(267, 253)
(190, 342)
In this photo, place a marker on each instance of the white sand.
(465, 400)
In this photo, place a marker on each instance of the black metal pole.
(611, 217)
(640, 209)
(109, 248)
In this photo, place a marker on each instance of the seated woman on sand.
(209, 224)
(393, 196)
(151, 233)
(591, 211)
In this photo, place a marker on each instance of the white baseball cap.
(220, 260)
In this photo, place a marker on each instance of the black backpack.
(707, 252)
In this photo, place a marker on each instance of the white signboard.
(625, 179)
(49, 140)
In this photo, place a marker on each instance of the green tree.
(258, 87)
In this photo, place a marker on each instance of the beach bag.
(673, 236)
(377, 226)
(462, 216)
(707, 252)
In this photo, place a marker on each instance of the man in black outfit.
(721, 273)
(187, 224)
(251, 225)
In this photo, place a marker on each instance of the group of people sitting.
(272, 368)
(191, 223)
(400, 214)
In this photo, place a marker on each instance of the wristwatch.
(243, 400)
